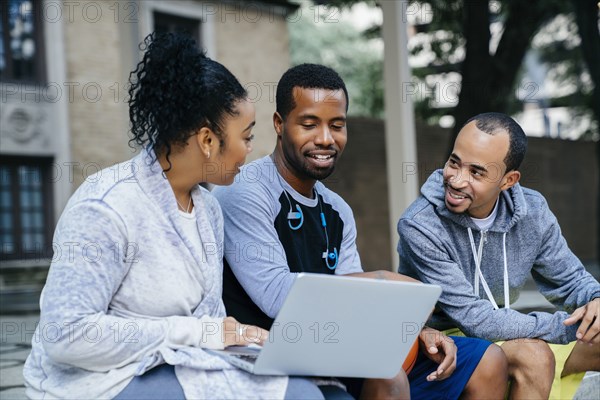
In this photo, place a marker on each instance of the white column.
(401, 144)
(56, 69)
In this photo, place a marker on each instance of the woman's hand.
(237, 334)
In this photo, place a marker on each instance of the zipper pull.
(484, 234)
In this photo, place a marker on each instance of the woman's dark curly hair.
(176, 90)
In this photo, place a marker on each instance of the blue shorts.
(469, 353)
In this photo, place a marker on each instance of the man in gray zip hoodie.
(479, 234)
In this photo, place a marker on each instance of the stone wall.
(249, 39)
(254, 44)
(98, 119)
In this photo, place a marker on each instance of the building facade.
(64, 67)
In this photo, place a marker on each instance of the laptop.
(340, 326)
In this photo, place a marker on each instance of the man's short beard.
(318, 175)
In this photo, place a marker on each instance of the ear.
(278, 123)
(205, 139)
(510, 180)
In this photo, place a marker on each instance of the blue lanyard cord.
(293, 215)
(324, 223)
(326, 254)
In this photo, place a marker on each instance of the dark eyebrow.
(310, 116)
(307, 116)
(478, 167)
(472, 165)
(250, 126)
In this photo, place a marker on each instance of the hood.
(511, 208)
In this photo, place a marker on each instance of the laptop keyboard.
(251, 358)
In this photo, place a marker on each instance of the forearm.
(565, 283)
(479, 319)
(558, 272)
(101, 342)
(384, 275)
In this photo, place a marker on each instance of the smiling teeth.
(321, 157)
(456, 197)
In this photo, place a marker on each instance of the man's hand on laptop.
(384, 275)
(440, 349)
(237, 334)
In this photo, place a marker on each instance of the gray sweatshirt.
(525, 239)
(129, 289)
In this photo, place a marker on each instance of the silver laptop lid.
(346, 327)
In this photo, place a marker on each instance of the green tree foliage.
(490, 79)
(462, 52)
(318, 35)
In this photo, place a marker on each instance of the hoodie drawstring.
(477, 256)
(506, 287)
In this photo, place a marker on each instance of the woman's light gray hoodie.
(435, 248)
(130, 289)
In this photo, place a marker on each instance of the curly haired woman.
(128, 312)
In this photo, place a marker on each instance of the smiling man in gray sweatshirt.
(479, 234)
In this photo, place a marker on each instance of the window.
(25, 208)
(21, 55)
(164, 23)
